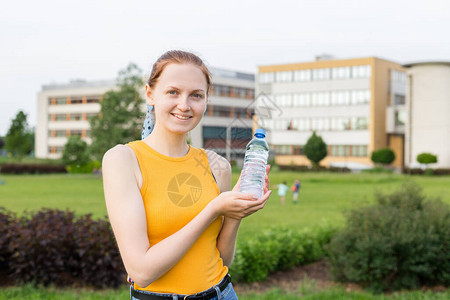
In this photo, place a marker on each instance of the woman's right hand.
(237, 205)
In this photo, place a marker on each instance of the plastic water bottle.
(255, 161)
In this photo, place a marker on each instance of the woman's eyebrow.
(198, 90)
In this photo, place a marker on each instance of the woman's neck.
(172, 145)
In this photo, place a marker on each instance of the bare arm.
(144, 262)
(226, 241)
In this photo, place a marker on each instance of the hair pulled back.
(178, 57)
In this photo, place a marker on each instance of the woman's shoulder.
(118, 155)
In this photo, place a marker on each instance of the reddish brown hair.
(178, 57)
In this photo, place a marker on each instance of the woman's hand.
(237, 205)
(237, 186)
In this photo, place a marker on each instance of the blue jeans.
(227, 294)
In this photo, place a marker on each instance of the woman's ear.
(149, 95)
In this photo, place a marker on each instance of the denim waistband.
(210, 293)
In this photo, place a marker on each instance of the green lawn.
(323, 196)
(307, 291)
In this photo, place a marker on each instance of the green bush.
(401, 242)
(278, 248)
(383, 156)
(426, 158)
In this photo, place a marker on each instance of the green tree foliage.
(75, 152)
(426, 158)
(119, 120)
(383, 156)
(18, 140)
(2, 142)
(315, 149)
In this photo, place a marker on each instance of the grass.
(323, 196)
(29, 160)
(308, 292)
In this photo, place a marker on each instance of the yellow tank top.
(174, 191)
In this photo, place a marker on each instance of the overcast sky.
(45, 41)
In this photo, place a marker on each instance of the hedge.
(15, 168)
(277, 249)
(56, 247)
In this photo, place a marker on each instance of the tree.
(18, 139)
(119, 120)
(383, 156)
(315, 149)
(75, 152)
(426, 158)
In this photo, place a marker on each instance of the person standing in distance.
(295, 190)
(171, 207)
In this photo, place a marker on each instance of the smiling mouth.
(180, 117)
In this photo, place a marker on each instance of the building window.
(360, 96)
(401, 118)
(302, 75)
(399, 99)
(398, 76)
(266, 77)
(321, 74)
(359, 150)
(361, 71)
(60, 117)
(340, 98)
(340, 73)
(359, 123)
(60, 133)
(76, 101)
(301, 99)
(92, 100)
(240, 92)
(76, 117)
(222, 90)
(76, 132)
(283, 100)
(283, 76)
(320, 99)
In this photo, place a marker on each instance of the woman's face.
(179, 98)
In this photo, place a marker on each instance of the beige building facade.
(344, 100)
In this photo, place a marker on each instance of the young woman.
(170, 205)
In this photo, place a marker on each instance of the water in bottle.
(255, 161)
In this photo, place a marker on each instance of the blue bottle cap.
(260, 133)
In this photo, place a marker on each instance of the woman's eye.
(199, 96)
(172, 92)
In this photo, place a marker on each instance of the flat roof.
(232, 74)
(431, 62)
(78, 83)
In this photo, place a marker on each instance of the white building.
(64, 110)
(428, 104)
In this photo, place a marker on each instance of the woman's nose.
(183, 104)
